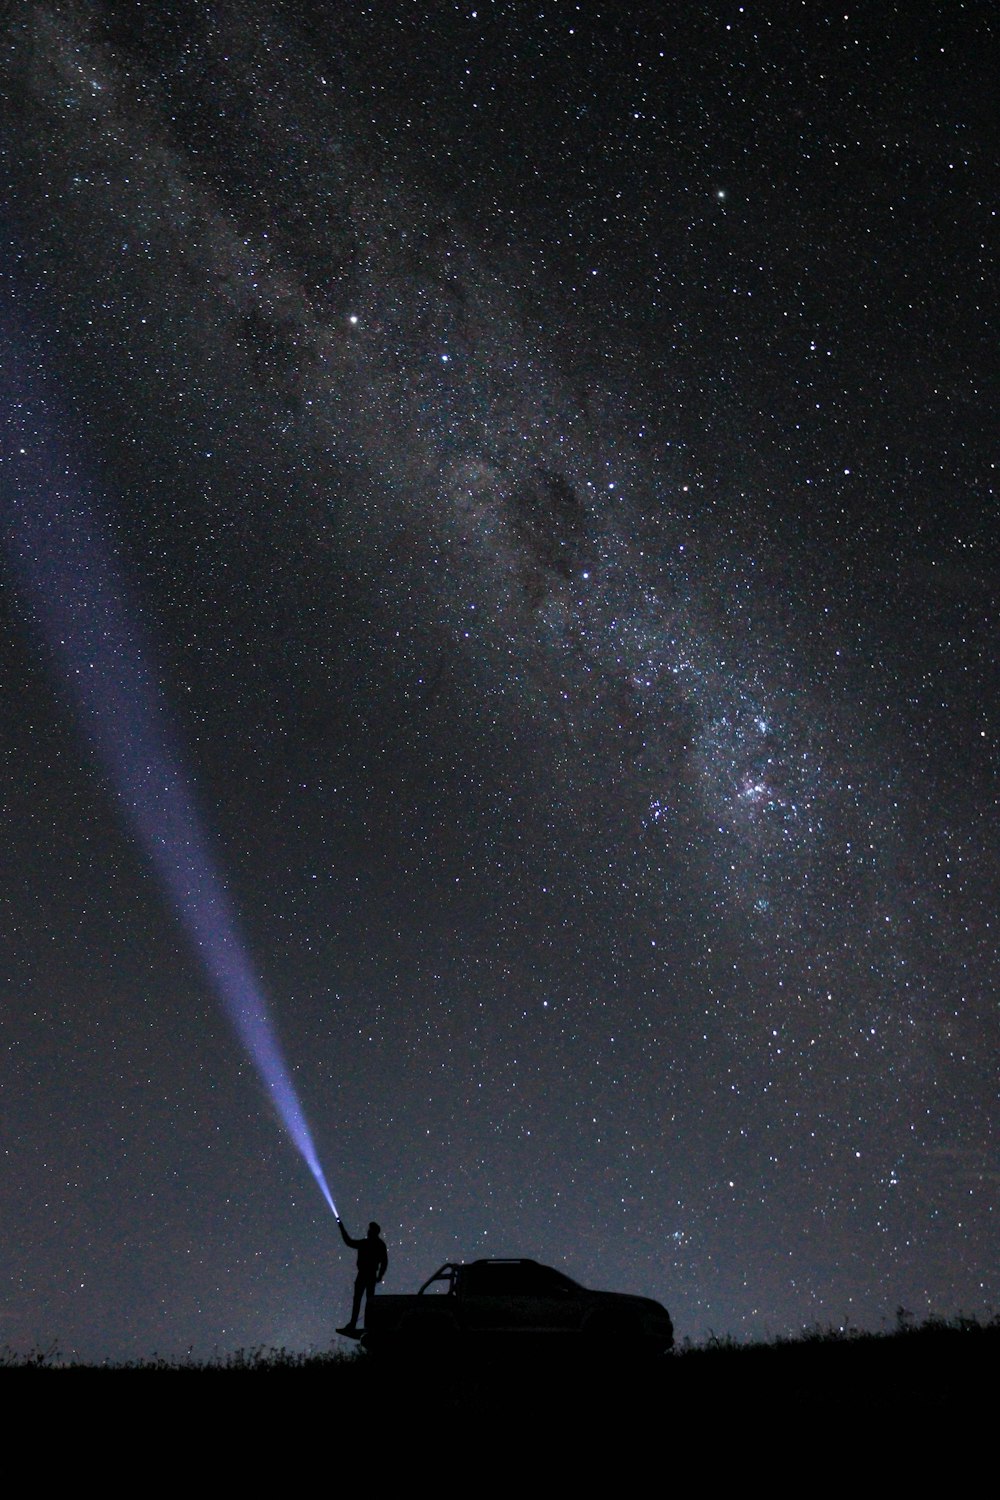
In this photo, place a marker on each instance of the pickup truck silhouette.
(497, 1304)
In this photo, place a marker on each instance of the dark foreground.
(817, 1411)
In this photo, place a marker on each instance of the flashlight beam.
(63, 561)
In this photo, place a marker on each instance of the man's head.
(373, 1230)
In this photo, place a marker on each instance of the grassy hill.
(905, 1402)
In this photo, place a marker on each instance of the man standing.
(373, 1259)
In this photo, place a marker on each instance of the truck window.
(513, 1280)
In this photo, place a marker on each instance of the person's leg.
(360, 1287)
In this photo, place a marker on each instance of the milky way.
(550, 453)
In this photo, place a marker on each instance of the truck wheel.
(606, 1335)
(433, 1341)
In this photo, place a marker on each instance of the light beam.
(64, 564)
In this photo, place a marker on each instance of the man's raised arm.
(354, 1244)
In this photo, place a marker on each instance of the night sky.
(548, 453)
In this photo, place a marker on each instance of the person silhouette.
(373, 1261)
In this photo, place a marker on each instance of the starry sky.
(547, 451)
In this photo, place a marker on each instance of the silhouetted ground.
(807, 1413)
